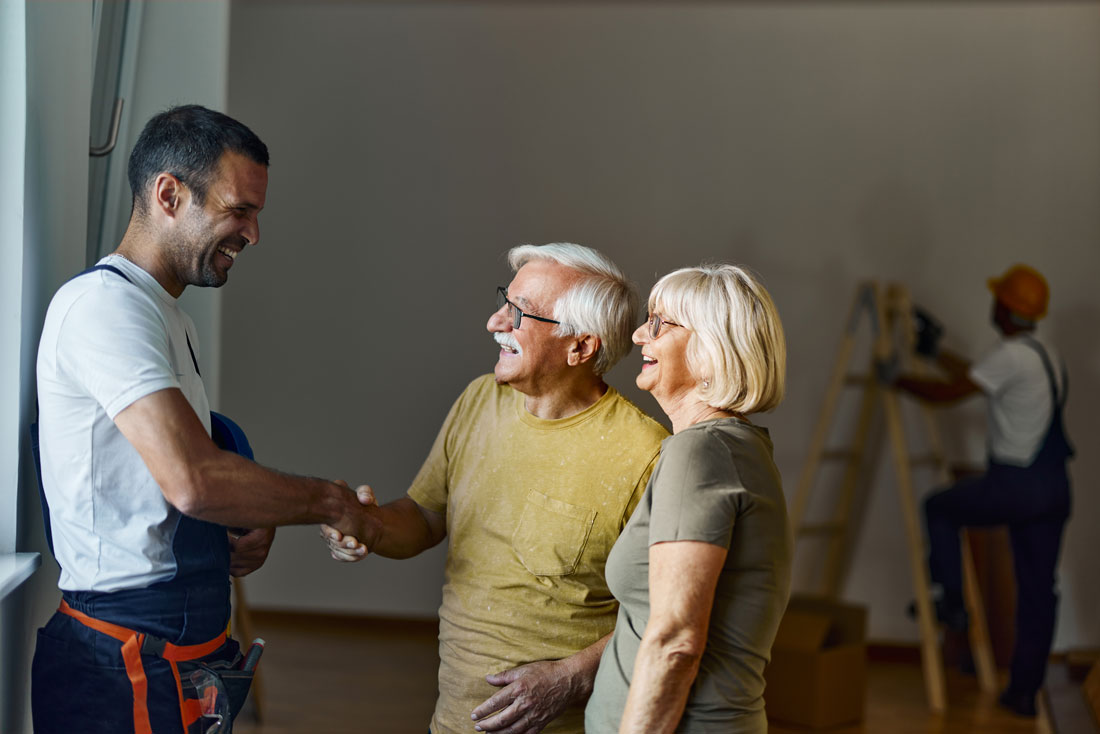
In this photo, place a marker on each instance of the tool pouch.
(220, 690)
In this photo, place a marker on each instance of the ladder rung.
(838, 454)
(933, 459)
(821, 528)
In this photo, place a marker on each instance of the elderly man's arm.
(406, 529)
(682, 578)
(535, 694)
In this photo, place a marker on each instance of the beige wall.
(182, 59)
(820, 143)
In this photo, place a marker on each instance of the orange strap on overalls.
(132, 642)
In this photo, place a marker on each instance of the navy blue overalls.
(1034, 502)
(90, 681)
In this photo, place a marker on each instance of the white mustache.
(507, 340)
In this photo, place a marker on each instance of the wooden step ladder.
(888, 312)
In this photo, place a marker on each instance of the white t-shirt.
(1015, 382)
(105, 344)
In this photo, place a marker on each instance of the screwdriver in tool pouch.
(253, 656)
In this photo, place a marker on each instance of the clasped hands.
(347, 547)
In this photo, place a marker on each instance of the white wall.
(820, 143)
(55, 220)
(13, 131)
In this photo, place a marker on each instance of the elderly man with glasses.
(533, 475)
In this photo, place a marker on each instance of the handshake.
(348, 547)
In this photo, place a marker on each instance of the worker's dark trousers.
(78, 678)
(1034, 502)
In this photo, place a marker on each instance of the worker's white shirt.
(105, 344)
(1015, 382)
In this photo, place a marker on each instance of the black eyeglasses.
(655, 324)
(514, 311)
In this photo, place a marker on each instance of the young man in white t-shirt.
(1025, 486)
(140, 497)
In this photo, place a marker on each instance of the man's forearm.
(202, 481)
(406, 529)
(936, 391)
(583, 666)
(953, 364)
(260, 497)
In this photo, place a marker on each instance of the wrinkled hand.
(248, 550)
(347, 547)
(532, 696)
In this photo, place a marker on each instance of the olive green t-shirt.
(533, 507)
(715, 482)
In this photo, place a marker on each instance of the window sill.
(15, 568)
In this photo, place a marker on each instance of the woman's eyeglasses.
(655, 324)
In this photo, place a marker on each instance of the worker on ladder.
(1025, 486)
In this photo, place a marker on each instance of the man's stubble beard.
(201, 272)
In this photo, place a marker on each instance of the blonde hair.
(737, 351)
(602, 302)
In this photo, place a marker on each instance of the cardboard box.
(1091, 689)
(818, 672)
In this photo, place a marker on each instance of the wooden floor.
(331, 675)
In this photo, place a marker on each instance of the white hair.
(603, 302)
(737, 351)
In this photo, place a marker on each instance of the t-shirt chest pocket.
(551, 535)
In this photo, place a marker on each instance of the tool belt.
(210, 693)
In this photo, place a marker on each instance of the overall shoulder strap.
(123, 275)
(1035, 345)
(112, 268)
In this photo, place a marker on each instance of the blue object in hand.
(228, 436)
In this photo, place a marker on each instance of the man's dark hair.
(188, 141)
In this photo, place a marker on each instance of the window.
(14, 568)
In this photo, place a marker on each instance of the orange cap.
(1023, 291)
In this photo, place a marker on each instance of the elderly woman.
(702, 569)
